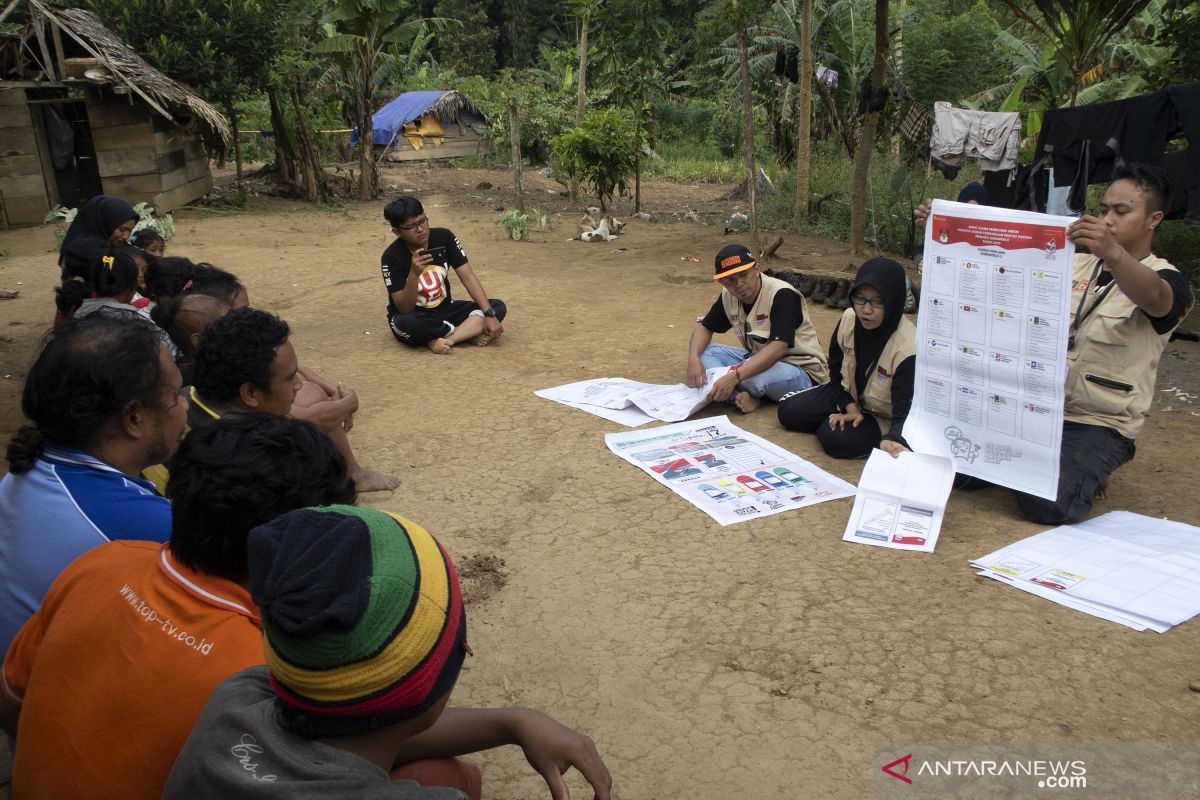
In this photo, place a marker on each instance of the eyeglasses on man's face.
(420, 222)
(859, 300)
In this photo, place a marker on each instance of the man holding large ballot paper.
(1125, 301)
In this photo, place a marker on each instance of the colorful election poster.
(992, 344)
(727, 473)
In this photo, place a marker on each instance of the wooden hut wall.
(183, 164)
(457, 141)
(142, 156)
(23, 192)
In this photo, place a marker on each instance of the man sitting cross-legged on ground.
(780, 351)
(416, 271)
(102, 685)
(104, 399)
(365, 634)
(243, 361)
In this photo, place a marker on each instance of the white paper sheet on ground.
(629, 417)
(677, 402)
(900, 501)
(726, 472)
(992, 343)
(1132, 565)
(606, 392)
(1137, 623)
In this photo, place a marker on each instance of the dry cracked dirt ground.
(764, 659)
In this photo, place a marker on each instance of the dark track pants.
(808, 412)
(421, 325)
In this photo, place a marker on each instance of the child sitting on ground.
(114, 280)
(365, 634)
(67, 299)
(114, 286)
(149, 240)
(168, 277)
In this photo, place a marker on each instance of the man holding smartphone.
(416, 271)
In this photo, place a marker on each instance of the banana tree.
(361, 37)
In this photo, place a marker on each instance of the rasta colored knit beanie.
(362, 616)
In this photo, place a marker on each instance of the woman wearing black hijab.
(100, 223)
(872, 357)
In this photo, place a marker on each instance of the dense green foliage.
(662, 78)
(600, 153)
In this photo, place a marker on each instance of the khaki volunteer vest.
(876, 400)
(753, 329)
(1113, 366)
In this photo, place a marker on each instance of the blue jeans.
(779, 379)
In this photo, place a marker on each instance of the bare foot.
(440, 346)
(483, 339)
(746, 402)
(368, 480)
(1101, 490)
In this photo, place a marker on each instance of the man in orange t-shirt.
(103, 684)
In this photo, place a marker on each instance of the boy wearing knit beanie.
(365, 636)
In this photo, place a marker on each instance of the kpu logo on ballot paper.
(994, 233)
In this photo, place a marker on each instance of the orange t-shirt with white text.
(114, 668)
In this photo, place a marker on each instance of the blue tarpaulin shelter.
(388, 122)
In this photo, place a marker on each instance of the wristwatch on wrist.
(491, 312)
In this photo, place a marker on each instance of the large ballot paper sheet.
(726, 472)
(992, 344)
(1138, 571)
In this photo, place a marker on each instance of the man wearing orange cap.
(779, 353)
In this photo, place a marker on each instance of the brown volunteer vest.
(1112, 367)
(876, 400)
(753, 329)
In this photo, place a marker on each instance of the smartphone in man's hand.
(437, 254)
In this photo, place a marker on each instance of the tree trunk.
(581, 97)
(285, 147)
(514, 134)
(774, 114)
(866, 140)
(366, 138)
(834, 119)
(637, 164)
(804, 116)
(312, 179)
(748, 129)
(366, 158)
(237, 145)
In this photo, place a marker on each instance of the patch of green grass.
(700, 162)
(893, 190)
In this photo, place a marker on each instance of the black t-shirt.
(786, 316)
(433, 287)
(1181, 298)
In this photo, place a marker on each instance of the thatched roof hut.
(165, 95)
(430, 124)
(83, 113)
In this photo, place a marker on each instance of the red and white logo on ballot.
(994, 233)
